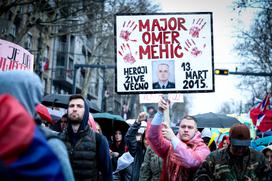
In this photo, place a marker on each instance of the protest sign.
(164, 53)
(14, 57)
(154, 98)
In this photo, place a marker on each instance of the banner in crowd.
(154, 98)
(14, 57)
(164, 53)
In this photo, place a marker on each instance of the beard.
(75, 119)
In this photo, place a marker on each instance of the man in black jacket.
(88, 151)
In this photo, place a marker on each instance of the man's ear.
(196, 130)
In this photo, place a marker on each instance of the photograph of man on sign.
(162, 78)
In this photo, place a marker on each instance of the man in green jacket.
(236, 162)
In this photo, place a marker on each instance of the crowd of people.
(75, 148)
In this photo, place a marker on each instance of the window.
(44, 84)
(28, 42)
(70, 68)
(60, 59)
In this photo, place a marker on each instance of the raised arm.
(157, 142)
(131, 134)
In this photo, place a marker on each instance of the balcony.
(60, 73)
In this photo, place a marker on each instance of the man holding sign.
(183, 153)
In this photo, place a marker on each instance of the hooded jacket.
(182, 162)
(29, 157)
(88, 151)
(25, 86)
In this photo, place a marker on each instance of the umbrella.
(108, 116)
(55, 114)
(61, 100)
(213, 120)
(56, 100)
(110, 122)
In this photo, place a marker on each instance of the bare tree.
(255, 46)
(48, 15)
(93, 18)
(103, 51)
(51, 18)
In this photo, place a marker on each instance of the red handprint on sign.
(128, 28)
(197, 27)
(190, 46)
(126, 53)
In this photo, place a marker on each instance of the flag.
(261, 115)
(265, 103)
(257, 111)
(45, 64)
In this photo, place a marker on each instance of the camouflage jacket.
(221, 165)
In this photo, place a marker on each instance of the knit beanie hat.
(239, 135)
(206, 132)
